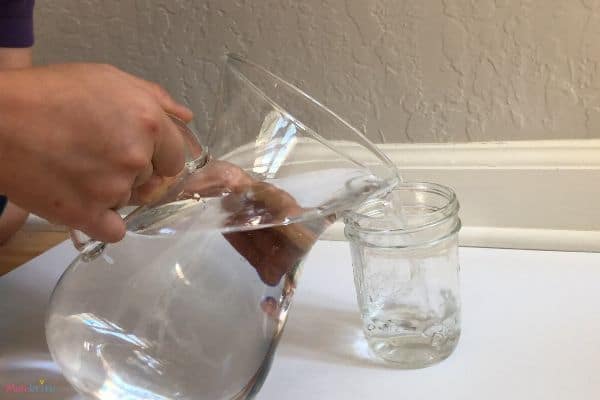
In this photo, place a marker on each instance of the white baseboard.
(526, 194)
(520, 155)
(510, 238)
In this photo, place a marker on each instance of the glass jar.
(405, 259)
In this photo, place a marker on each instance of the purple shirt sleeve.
(16, 23)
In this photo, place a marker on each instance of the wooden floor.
(26, 245)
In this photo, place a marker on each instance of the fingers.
(109, 227)
(280, 203)
(270, 253)
(123, 201)
(220, 177)
(274, 251)
(169, 153)
(165, 100)
(143, 176)
(171, 106)
(152, 190)
(245, 248)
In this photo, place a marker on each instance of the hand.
(277, 250)
(272, 251)
(77, 139)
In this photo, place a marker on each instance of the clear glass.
(405, 258)
(192, 303)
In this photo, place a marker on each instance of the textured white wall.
(403, 70)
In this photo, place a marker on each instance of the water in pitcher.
(190, 311)
(214, 316)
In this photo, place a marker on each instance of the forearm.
(14, 91)
(16, 39)
(18, 130)
(15, 57)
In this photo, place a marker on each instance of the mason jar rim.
(449, 209)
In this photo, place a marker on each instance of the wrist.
(15, 58)
(11, 220)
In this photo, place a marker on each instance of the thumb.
(109, 227)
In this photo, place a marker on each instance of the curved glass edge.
(233, 61)
(450, 209)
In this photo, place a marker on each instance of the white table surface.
(531, 330)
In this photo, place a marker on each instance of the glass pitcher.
(192, 302)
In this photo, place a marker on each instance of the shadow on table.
(328, 334)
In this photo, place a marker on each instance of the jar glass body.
(406, 270)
